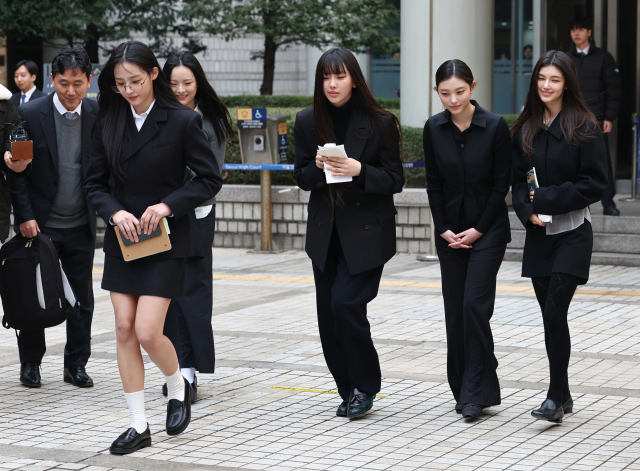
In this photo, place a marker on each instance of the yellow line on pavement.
(409, 284)
(379, 396)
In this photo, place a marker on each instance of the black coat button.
(358, 203)
(366, 227)
(461, 145)
(320, 223)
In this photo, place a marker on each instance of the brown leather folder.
(147, 247)
(22, 150)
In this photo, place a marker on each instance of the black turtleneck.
(340, 118)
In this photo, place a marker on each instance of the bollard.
(432, 256)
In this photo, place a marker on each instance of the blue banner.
(413, 165)
(289, 167)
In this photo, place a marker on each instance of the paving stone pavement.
(271, 403)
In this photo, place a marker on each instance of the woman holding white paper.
(558, 136)
(351, 229)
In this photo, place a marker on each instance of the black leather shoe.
(567, 407)
(359, 404)
(611, 211)
(30, 374)
(77, 376)
(549, 411)
(471, 411)
(131, 441)
(179, 412)
(459, 407)
(194, 390)
(342, 409)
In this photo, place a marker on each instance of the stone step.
(597, 258)
(602, 242)
(600, 224)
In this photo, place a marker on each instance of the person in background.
(557, 136)
(527, 52)
(468, 165)
(25, 78)
(188, 322)
(600, 85)
(51, 200)
(351, 230)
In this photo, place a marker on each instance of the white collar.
(197, 110)
(61, 109)
(585, 51)
(142, 115)
(28, 93)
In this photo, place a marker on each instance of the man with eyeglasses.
(51, 200)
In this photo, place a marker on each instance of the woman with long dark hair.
(188, 323)
(468, 163)
(144, 140)
(557, 136)
(351, 230)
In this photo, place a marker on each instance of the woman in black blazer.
(468, 163)
(143, 141)
(351, 226)
(559, 137)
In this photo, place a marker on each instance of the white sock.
(175, 386)
(188, 373)
(135, 402)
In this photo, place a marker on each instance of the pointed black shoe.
(77, 376)
(567, 407)
(342, 409)
(459, 407)
(131, 441)
(549, 411)
(471, 411)
(194, 389)
(359, 404)
(30, 374)
(179, 412)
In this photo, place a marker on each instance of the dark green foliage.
(288, 101)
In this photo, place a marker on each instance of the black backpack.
(35, 291)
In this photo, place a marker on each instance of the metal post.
(634, 163)
(432, 256)
(265, 210)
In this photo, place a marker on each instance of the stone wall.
(238, 218)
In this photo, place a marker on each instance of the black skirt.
(162, 278)
(568, 252)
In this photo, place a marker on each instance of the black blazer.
(154, 162)
(366, 220)
(479, 177)
(33, 196)
(15, 98)
(570, 177)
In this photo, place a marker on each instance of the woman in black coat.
(351, 230)
(143, 141)
(559, 137)
(468, 163)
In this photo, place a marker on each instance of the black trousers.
(469, 292)
(610, 192)
(188, 321)
(76, 247)
(345, 333)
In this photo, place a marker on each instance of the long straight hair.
(574, 114)
(113, 107)
(208, 102)
(336, 61)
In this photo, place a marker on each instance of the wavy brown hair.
(574, 115)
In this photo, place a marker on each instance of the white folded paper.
(332, 150)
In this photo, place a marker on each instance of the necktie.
(71, 115)
(22, 98)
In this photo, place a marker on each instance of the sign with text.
(282, 142)
(252, 118)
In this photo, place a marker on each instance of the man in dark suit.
(25, 77)
(51, 200)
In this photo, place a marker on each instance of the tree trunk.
(91, 46)
(269, 67)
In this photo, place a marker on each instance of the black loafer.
(611, 211)
(194, 390)
(567, 407)
(342, 409)
(471, 411)
(459, 407)
(359, 404)
(179, 412)
(131, 441)
(30, 375)
(77, 376)
(549, 411)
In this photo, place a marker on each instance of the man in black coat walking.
(600, 85)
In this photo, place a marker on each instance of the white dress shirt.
(585, 51)
(62, 110)
(27, 94)
(140, 118)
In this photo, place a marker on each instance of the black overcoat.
(33, 196)
(570, 178)
(365, 216)
(154, 162)
(478, 177)
(15, 98)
